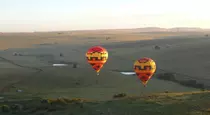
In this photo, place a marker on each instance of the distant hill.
(150, 29)
(185, 29)
(176, 29)
(144, 29)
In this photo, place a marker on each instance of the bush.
(167, 76)
(16, 108)
(166, 91)
(77, 100)
(44, 101)
(61, 55)
(157, 47)
(56, 101)
(63, 101)
(74, 65)
(5, 108)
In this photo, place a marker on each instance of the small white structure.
(168, 46)
(128, 73)
(19, 91)
(1, 98)
(60, 65)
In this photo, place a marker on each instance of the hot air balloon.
(144, 69)
(97, 57)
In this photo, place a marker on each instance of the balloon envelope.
(144, 69)
(97, 56)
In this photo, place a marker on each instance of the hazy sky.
(51, 15)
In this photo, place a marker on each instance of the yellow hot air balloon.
(97, 56)
(144, 69)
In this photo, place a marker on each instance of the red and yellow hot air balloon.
(97, 56)
(144, 69)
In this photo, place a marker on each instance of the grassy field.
(180, 52)
(193, 103)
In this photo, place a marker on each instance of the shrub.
(157, 47)
(5, 108)
(77, 100)
(44, 101)
(166, 91)
(167, 76)
(16, 107)
(119, 95)
(74, 65)
(63, 101)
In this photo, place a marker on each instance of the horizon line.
(101, 29)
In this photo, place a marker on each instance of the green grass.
(189, 103)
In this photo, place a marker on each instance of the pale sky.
(55, 15)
